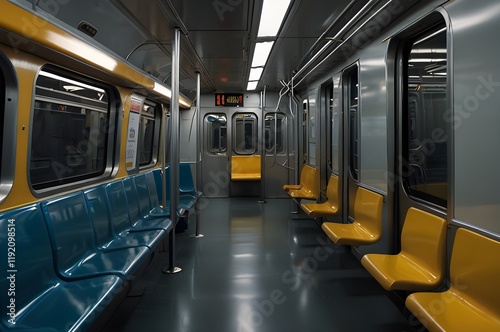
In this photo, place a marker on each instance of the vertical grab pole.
(163, 145)
(174, 150)
(263, 147)
(199, 130)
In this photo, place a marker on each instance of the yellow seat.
(308, 187)
(367, 225)
(246, 168)
(421, 263)
(472, 303)
(328, 208)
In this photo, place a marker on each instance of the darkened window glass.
(330, 127)
(245, 133)
(69, 130)
(275, 133)
(351, 93)
(148, 123)
(216, 125)
(425, 143)
(305, 130)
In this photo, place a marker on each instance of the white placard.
(132, 136)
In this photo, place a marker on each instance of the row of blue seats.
(74, 257)
(187, 191)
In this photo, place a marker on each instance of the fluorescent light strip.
(261, 53)
(252, 85)
(162, 90)
(255, 74)
(166, 92)
(431, 60)
(67, 80)
(430, 36)
(429, 50)
(271, 18)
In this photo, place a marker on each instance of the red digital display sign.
(229, 99)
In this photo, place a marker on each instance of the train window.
(70, 130)
(149, 133)
(425, 145)
(216, 125)
(311, 128)
(305, 128)
(330, 125)
(245, 133)
(8, 124)
(351, 96)
(275, 133)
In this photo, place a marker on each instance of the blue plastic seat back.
(153, 194)
(99, 214)
(120, 219)
(143, 194)
(167, 181)
(158, 180)
(70, 229)
(158, 176)
(33, 261)
(186, 184)
(132, 199)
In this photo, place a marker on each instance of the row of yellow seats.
(367, 226)
(472, 301)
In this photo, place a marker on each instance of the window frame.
(269, 144)
(414, 142)
(254, 136)
(155, 139)
(353, 119)
(8, 124)
(330, 119)
(210, 131)
(111, 130)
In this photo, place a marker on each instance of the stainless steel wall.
(475, 115)
(373, 107)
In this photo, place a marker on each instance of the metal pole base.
(294, 212)
(261, 202)
(171, 271)
(197, 236)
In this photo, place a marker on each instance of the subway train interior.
(249, 166)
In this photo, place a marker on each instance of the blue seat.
(124, 205)
(154, 188)
(143, 193)
(149, 206)
(44, 302)
(154, 179)
(106, 237)
(74, 246)
(186, 184)
(186, 200)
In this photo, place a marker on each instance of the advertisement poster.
(132, 134)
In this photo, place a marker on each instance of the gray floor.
(258, 268)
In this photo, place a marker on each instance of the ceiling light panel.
(252, 85)
(255, 74)
(261, 53)
(273, 13)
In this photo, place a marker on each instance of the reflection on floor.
(258, 268)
